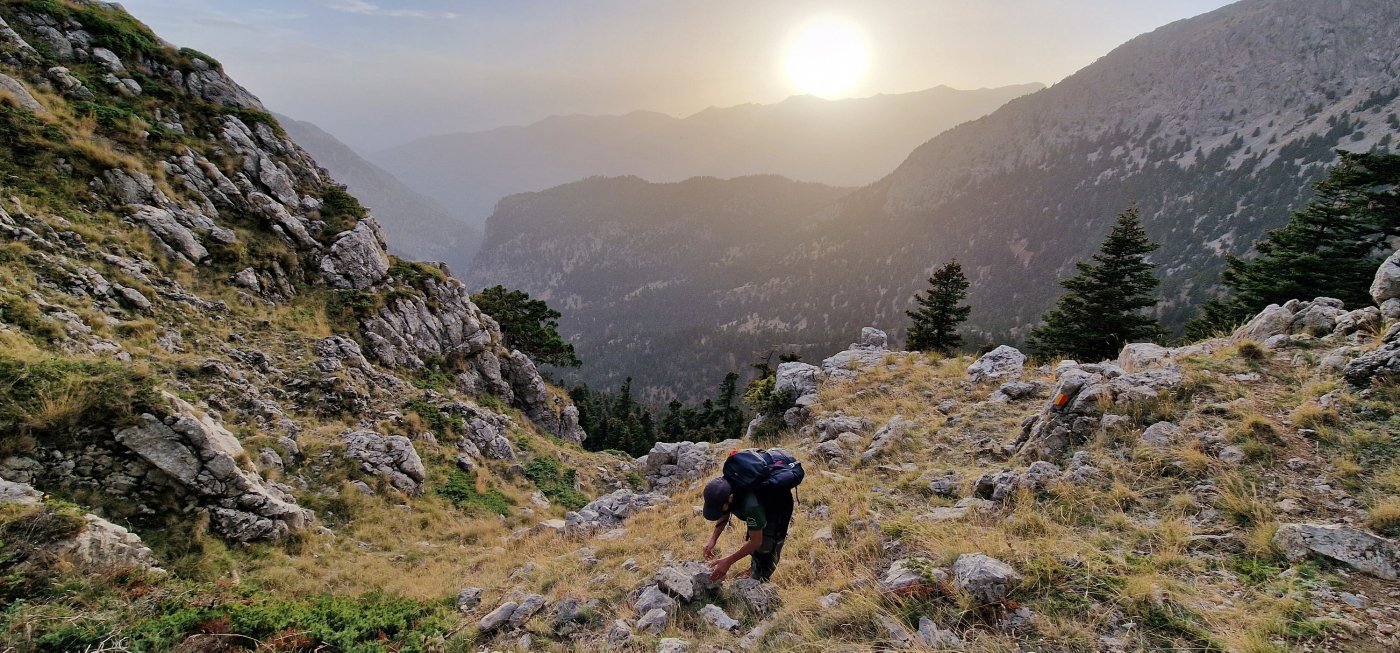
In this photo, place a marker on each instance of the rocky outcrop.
(97, 546)
(887, 437)
(1382, 362)
(798, 380)
(670, 464)
(197, 453)
(1385, 289)
(391, 457)
(15, 89)
(1360, 550)
(357, 259)
(610, 510)
(870, 351)
(1080, 399)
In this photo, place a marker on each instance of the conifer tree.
(1103, 309)
(529, 325)
(1330, 248)
(935, 322)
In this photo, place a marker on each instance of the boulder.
(687, 581)
(1384, 361)
(828, 428)
(797, 379)
(357, 259)
(1272, 321)
(1001, 363)
(1318, 318)
(389, 456)
(867, 353)
(1386, 286)
(1140, 355)
(1358, 549)
(986, 579)
(717, 618)
(673, 463)
(16, 89)
(527, 609)
(948, 485)
(20, 493)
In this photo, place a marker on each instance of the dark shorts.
(778, 506)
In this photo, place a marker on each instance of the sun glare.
(826, 57)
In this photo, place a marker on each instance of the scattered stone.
(654, 621)
(527, 609)
(1358, 549)
(1161, 435)
(610, 510)
(389, 456)
(619, 634)
(932, 636)
(673, 645)
(912, 577)
(755, 636)
(886, 437)
(1231, 454)
(986, 579)
(948, 485)
(468, 598)
(761, 598)
(653, 598)
(716, 617)
(498, 617)
(895, 632)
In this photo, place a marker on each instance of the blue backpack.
(757, 470)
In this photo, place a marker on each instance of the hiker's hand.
(719, 569)
(709, 551)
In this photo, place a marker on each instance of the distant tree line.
(615, 420)
(1330, 248)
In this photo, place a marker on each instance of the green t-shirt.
(752, 513)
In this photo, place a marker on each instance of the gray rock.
(468, 598)
(653, 598)
(896, 634)
(498, 617)
(20, 493)
(247, 278)
(687, 582)
(1358, 549)
(673, 645)
(1386, 286)
(104, 547)
(619, 634)
(17, 90)
(1382, 362)
(828, 428)
(197, 453)
(888, 435)
(610, 510)
(1001, 363)
(907, 576)
(1231, 454)
(1141, 355)
(948, 485)
(1161, 435)
(357, 259)
(932, 636)
(109, 60)
(830, 600)
(1318, 318)
(761, 598)
(869, 352)
(716, 617)
(1016, 391)
(68, 85)
(389, 456)
(654, 621)
(797, 379)
(1272, 321)
(755, 636)
(986, 579)
(527, 609)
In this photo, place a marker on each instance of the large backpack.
(756, 470)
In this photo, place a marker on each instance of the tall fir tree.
(1330, 248)
(936, 320)
(1104, 308)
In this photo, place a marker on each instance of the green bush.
(461, 491)
(555, 481)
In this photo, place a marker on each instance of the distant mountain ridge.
(842, 142)
(415, 226)
(1215, 126)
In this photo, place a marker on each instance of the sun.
(826, 57)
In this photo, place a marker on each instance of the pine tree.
(935, 326)
(1103, 309)
(529, 325)
(1330, 248)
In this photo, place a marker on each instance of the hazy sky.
(381, 72)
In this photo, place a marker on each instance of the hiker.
(757, 488)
